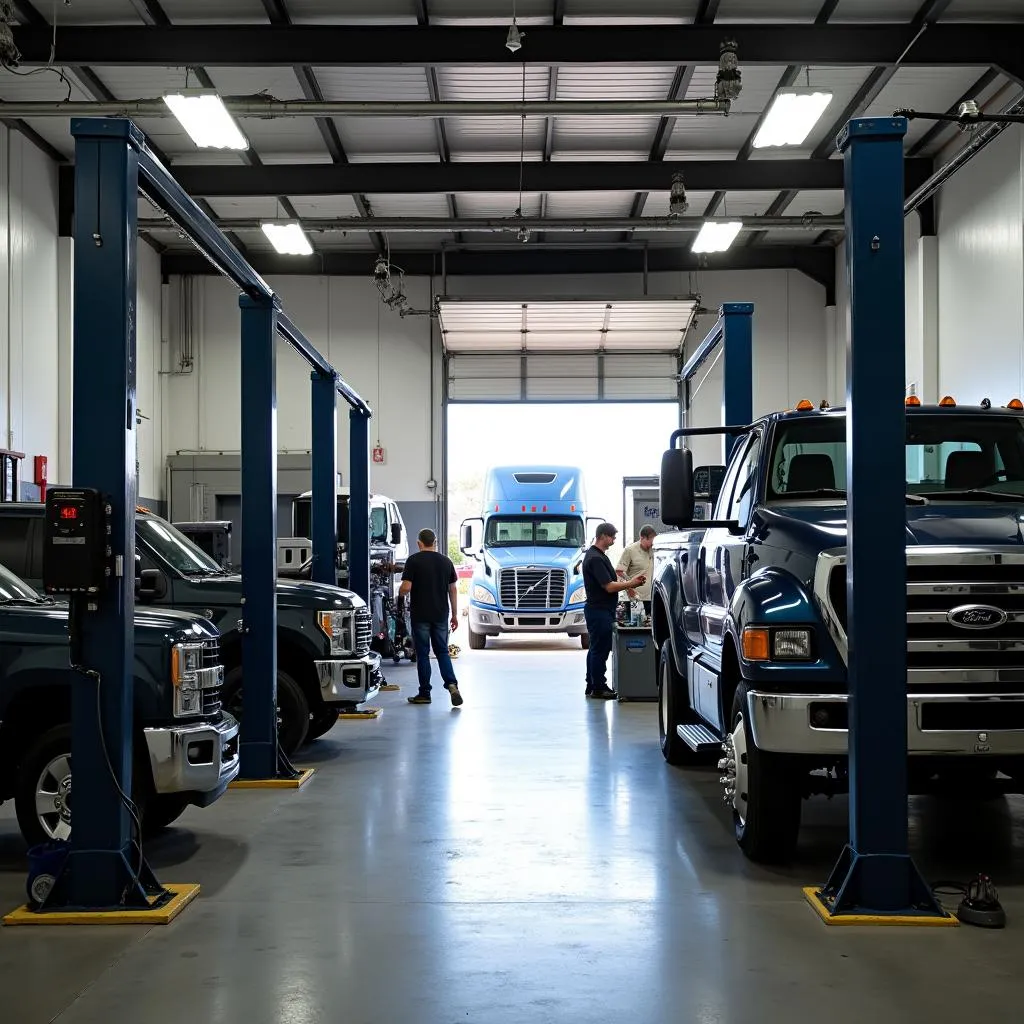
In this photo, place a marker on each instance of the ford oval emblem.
(976, 616)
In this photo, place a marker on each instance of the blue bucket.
(45, 862)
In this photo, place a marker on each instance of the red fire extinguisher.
(39, 466)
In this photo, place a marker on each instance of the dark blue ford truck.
(749, 611)
(185, 744)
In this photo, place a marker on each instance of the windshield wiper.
(974, 494)
(30, 601)
(820, 492)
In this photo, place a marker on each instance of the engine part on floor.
(980, 904)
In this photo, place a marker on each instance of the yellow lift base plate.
(890, 920)
(183, 896)
(390, 688)
(305, 774)
(364, 716)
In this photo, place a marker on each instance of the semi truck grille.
(946, 591)
(364, 632)
(532, 588)
(211, 695)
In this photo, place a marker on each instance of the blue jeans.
(599, 625)
(425, 636)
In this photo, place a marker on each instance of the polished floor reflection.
(528, 858)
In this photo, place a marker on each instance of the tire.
(762, 790)
(674, 709)
(477, 641)
(41, 770)
(321, 722)
(585, 641)
(292, 708)
(163, 810)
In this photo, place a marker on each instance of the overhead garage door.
(564, 351)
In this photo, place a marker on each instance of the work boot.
(453, 689)
(420, 698)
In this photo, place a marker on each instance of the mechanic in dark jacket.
(603, 588)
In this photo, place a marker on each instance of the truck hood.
(543, 556)
(815, 528)
(152, 625)
(290, 593)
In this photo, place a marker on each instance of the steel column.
(324, 503)
(105, 868)
(359, 503)
(875, 873)
(259, 540)
(734, 332)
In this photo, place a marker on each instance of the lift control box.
(76, 542)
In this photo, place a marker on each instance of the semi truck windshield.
(540, 532)
(955, 455)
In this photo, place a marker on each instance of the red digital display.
(68, 512)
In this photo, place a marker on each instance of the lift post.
(875, 874)
(105, 870)
(108, 181)
(734, 332)
(359, 503)
(324, 503)
(258, 753)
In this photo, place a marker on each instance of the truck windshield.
(953, 456)
(14, 590)
(175, 548)
(540, 532)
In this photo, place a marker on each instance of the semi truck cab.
(528, 545)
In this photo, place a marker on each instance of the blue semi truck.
(528, 545)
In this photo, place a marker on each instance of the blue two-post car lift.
(105, 869)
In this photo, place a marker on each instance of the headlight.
(482, 595)
(578, 596)
(791, 644)
(333, 624)
(760, 644)
(186, 660)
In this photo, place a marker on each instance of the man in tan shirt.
(637, 560)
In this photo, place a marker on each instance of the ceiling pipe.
(575, 225)
(270, 108)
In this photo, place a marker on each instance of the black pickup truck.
(186, 746)
(324, 660)
(749, 611)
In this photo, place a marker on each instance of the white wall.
(981, 275)
(28, 305)
(342, 318)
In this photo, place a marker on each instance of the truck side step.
(699, 738)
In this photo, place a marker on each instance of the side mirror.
(152, 585)
(468, 544)
(396, 533)
(676, 487)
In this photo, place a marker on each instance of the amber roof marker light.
(948, 402)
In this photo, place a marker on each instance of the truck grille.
(940, 652)
(211, 696)
(364, 632)
(532, 588)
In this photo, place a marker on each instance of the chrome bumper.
(492, 621)
(349, 681)
(782, 723)
(197, 758)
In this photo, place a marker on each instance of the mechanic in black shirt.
(430, 577)
(603, 588)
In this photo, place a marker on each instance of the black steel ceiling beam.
(960, 44)
(503, 176)
(818, 264)
(706, 14)
(279, 15)
(921, 26)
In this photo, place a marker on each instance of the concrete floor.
(528, 859)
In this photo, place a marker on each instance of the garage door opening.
(608, 441)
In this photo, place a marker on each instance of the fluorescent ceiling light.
(790, 118)
(203, 115)
(288, 239)
(717, 236)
